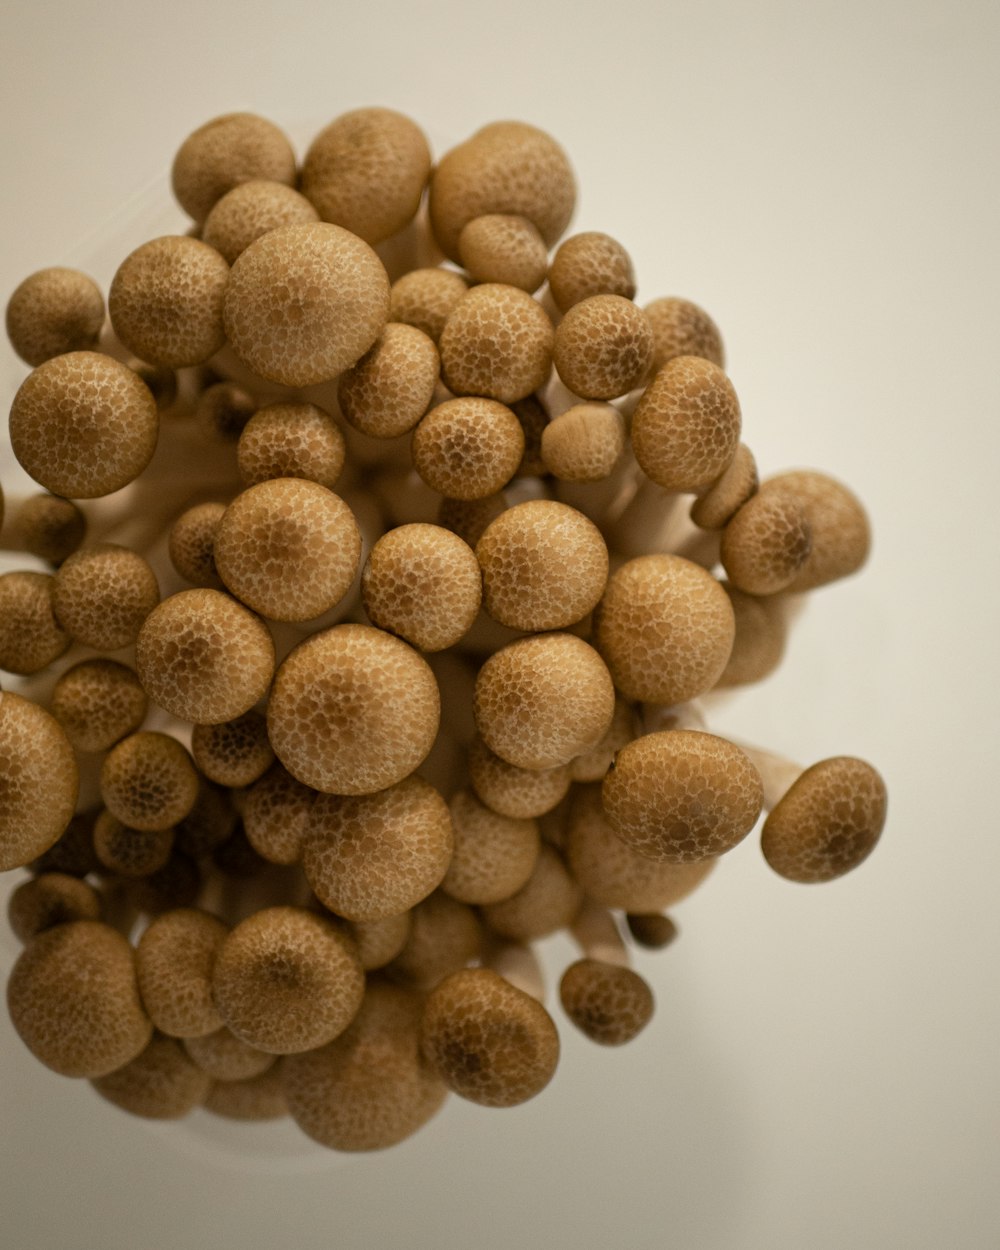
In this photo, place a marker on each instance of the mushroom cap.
(288, 548)
(39, 781)
(499, 247)
(607, 1002)
(425, 297)
(49, 527)
(234, 753)
(391, 387)
(304, 303)
(251, 209)
(54, 311)
(593, 764)
(468, 448)
(423, 583)
(48, 900)
(686, 426)
(371, 856)
(286, 980)
(651, 930)
(589, 264)
(226, 1057)
(728, 493)
(74, 1000)
(828, 821)
(444, 936)
(191, 544)
(83, 425)
(366, 171)
(291, 440)
(682, 795)
(490, 1042)
(102, 594)
(165, 301)
(494, 855)
(512, 791)
(841, 534)
(30, 636)
(225, 152)
(148, 781)
(761, 632)
(276, 815)
(542, 700)
(546, 903)
(131, 852)
(174, 960)
(681, 328)
(257, 1098)
(161, 1083)
(665, 629)
(766, 543)
(369, 1088)
(378, 942)
(506, 167)
(203, 657)
(603, 347)
(496, 342)
(584, 443)
(545, 566)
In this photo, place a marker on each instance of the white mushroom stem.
(603, 501)
(776, 773)
(596, 933)
(519, 965)
(655, 717)
(653, 520)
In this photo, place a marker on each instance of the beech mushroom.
(161, 1083)
(174, 960)
(468, 448)
(681, 328)
(48, 527)
(54, 311)
(191, 544)
(30, 636)
(497, 342)
(493, 856)
(48, 900)
(251, 209)
(590, 264)
(148, 781)
(233, 753)
(425, 297)
(603, 347)
(225, 152)
(512, 791)
(276, 815)
(499, 247)
(102, 594)
(39, 781)
(291, 440)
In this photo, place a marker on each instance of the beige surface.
(822, 1070)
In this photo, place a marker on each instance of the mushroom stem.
(596, 933)
(777, 773)
(655, 717)
(518, 964)
(653, 520)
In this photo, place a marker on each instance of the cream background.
(822, 1071)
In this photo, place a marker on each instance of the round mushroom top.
(512, 791)
(424, 298)
(603, 347)
(766, 543)
(251, 209)
(159, 1084)
(226, 1057)
(608, 1003)
(52, 898)
(203, 657)
(759, 644)
(589, 264)
(83, 425)
(841, 534)
(366, 171)
(584, 443)
(225, 152)
(304, 303)
(54, 311)
(102, 594)
(353, 710)
(468, 448)
(682, 795)
(681, 328)
(391, 387)
(30, 636)
(276, 816)
(234, 753)
(49, 527)
(494, 855)
(148, 781)
(497, 342)
(498, 247)
(39, 781)
(191, 544)
(665, 629)
(548, 901)
(828, 821)
(291, 440)
(175, 958)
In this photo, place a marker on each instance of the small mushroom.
(603, 347)
(276, 815)
(30, 635)
(39, 781)
(191, 544)
(590, 264)
(493, 856)
(234, 753)
(425, 297)
(511, 791)
(584, 443)
(50, 899)
(728, 493)
(223, 411)
(608, 1003)
(468, 448)
(499, 247)
(48, 527)
(54, 311)
(546, 903)
(161, 1083)
(174, 960)
(131, 852)
(102, 594)
(838, 523)
(148, 781)
(445, 935)
(681, 328)
(652, 930)
(256, 1098)
(497, 342)
(291, 440)
(251, 209)
(225, 1057)
(378, 942)
(225, 152)
(391, 387)
(766, 543)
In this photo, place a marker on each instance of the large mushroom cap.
(827, 822)
(39, 781)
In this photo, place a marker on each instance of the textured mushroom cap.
(291, 440)
(39, 781)
(191, 544)
(131, 852)
(841, 534)
(288, 548)
(498, 247)
(728, 493)
(257, 1098)
(371, 856)
(102, 595)
(30, 636)
(612, 874)
(603, 347)
(512, 791)
(590, 264)
(497, 342)
(444, 936)
(223, 410)
(665, 629)
(286, 980)
(761, 633)
(546, 903)
(304, 303)
(83, 425)
(491, 1043)
(686, 426)
(390, 388)
(225, 152)
(369, 1088)
(468, 448)
(651, 930)
(494, 855)
(682, 796)
(593, 764)
(766, 543)
(251, 209)
(827, 822)
(607, 1002)
(49, 527)
(507, 167)
(203, 657)
(584, 443)
(366, 171)
(425, 297)
(160, 1084)
(225, 1057)
(51, 899)
(353, 710)
(681, 328)
(423, 583)
(544, 565)
(148, 781)
(378, 942)
(54, 311)
(74, 1001)
(539, 701)
(235, 753)
(276, 815)
(174, 959)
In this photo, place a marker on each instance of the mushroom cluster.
(386, 556)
